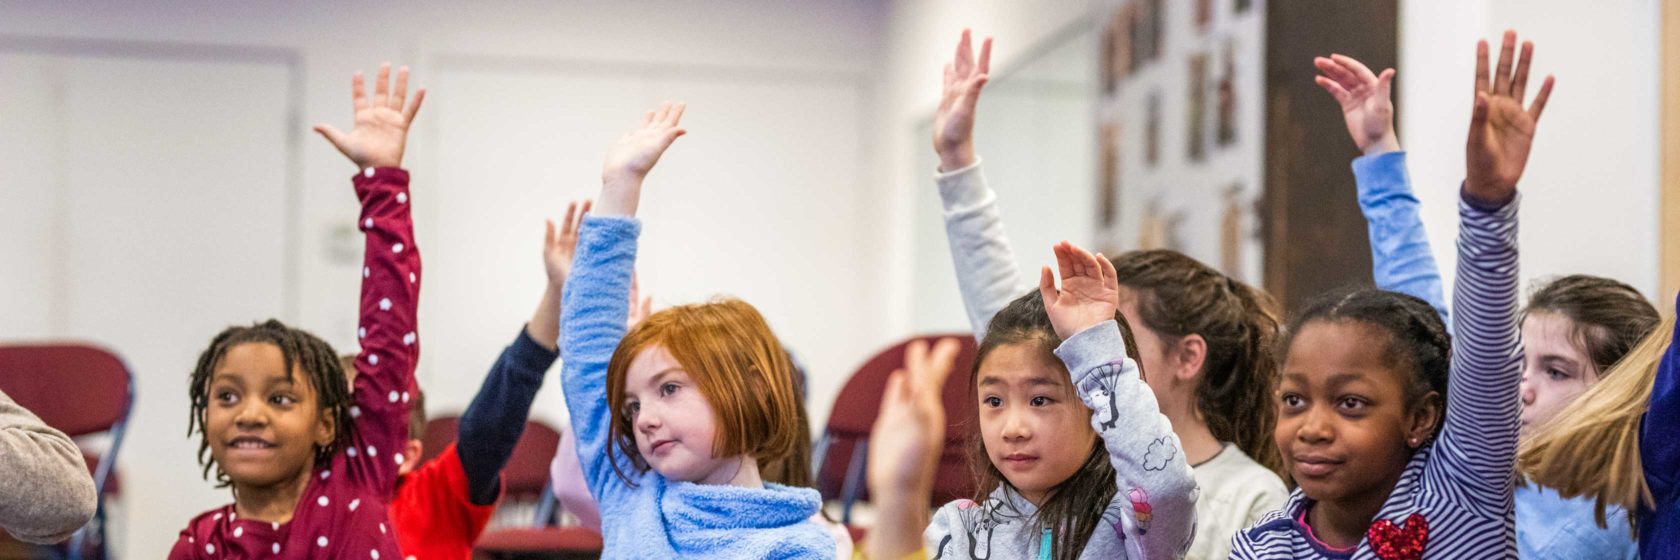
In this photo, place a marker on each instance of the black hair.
(1074, 508)
(1417, 340)
(301, 351)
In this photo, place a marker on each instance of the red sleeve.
(388, 332)
(433, 514)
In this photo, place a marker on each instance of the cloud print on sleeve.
(1161, 452)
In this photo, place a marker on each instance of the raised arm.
(596, 296)
(904, 449)
(1149, 465)
(1400, 255)
(986, 272)
(1478, 442)
(390, 274)
(1659, 435)
(492, 424)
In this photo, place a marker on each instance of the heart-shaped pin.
(1392, 542)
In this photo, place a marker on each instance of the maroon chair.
(841, 452)
(36, 375)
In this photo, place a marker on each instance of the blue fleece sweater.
(652, 517)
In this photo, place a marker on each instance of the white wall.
(1592, 185)
(766, 199)
(1591, 189)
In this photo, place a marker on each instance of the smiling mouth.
(248, 443)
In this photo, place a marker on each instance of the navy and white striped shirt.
(1462, 483)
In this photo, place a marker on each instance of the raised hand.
(381, 128)
(1089, 294)
(1367, 104)
(904, 448)
(1501, 131)
(640, 306)
(630, 160)
(560, 246)
(953, 124)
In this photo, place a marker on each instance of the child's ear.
(1425, 416)
(1191, 353)
(326, 430)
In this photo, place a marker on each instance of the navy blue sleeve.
(1659, 438)
(493, 422)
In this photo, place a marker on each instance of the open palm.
(953, 124)
(637, 151)
(1366, 100)
(1090, 292)
(381, 125)
(1501, 130)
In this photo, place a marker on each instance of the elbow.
(57, 512)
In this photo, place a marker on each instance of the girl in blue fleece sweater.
(695, 397)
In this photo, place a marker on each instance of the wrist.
(619, 196)
(956, 157)
(1387, 143)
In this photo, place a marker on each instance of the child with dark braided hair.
(311, 458)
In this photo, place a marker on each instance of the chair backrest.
(858, 404)
(526, 473)
(37, 376)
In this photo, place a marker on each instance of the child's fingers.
(647, 118)
(358, 93)
(1357, 68)
(1540, 99)
(588, 205)
(676, 115)
(1481, 65)
(915, 357)
(1384, 79)
(1341, 75)
(939, 364)
(1064, 263)
(1046, 286)
(1110, 276)
(1478, 112)
(1502, 73)
(332, 134)
(400, 95)
(414, 106)
(548, 235)
(1334, 88)
(1519, 83)
(569, 223)
(986, 56)
(965, 54)
(381, 85)
(896, 392)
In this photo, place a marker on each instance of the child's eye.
(1351, 404)
(1042, 401)
(226, 397)
(283, 400)
(633, 407)
(667, 389)
(1292, 400)
(1557, 374)
(993, 402)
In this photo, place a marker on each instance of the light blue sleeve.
(1401, 259)
(594, 306)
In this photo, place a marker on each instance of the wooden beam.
(1669, 242)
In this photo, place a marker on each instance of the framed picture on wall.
(1196, 126)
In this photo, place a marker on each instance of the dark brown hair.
(301, 351)
(1609, 318)
(1074, 508)
(1179, 296)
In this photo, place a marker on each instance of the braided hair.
(302, 352)
(1417, 341)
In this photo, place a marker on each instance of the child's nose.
(1016, 427)
(251, 414)
(1315, 427)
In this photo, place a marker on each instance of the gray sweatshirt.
(1154, 513)
(46, 492)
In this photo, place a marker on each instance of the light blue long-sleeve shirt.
(654, 517)
(1401, 260)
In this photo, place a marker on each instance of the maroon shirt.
(344, 510)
